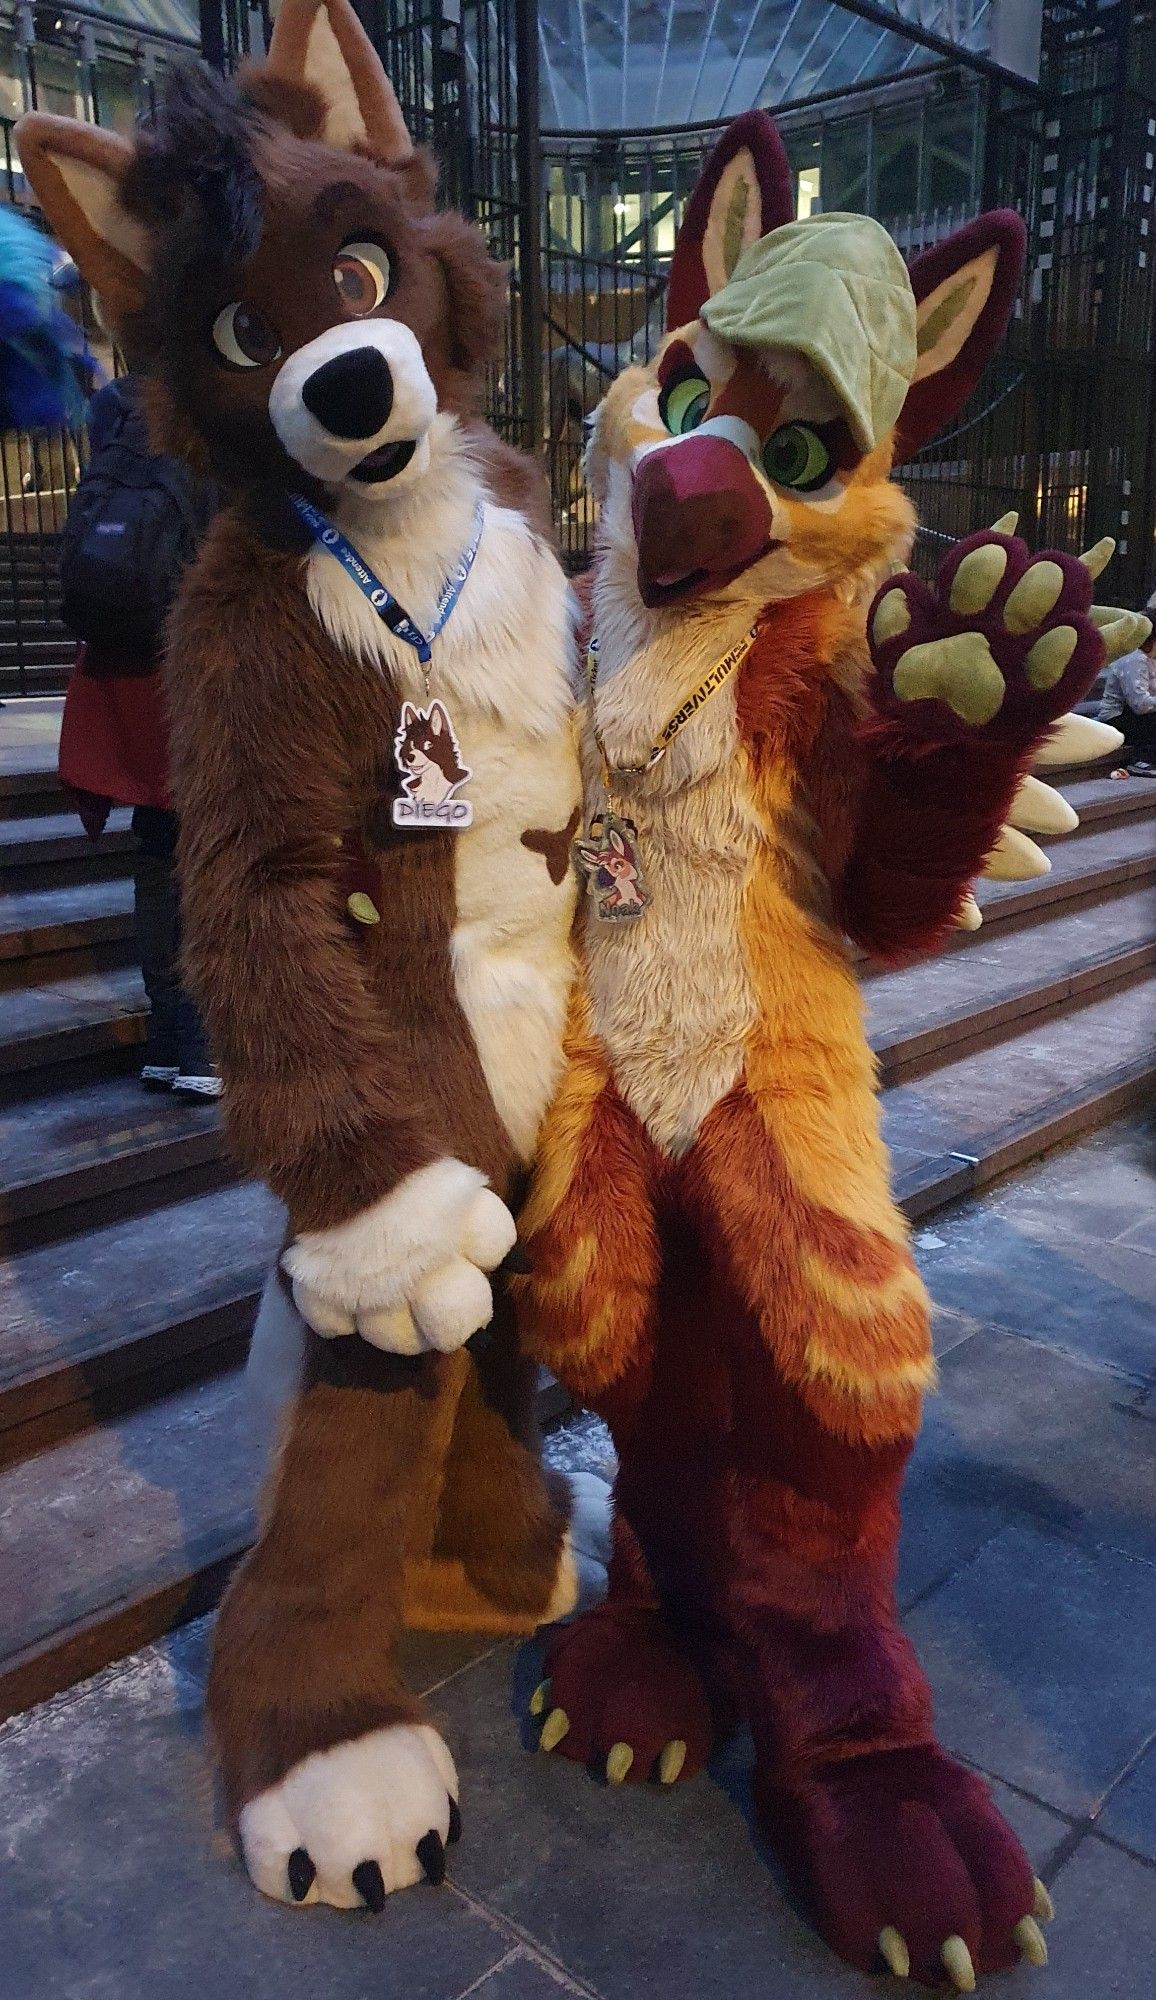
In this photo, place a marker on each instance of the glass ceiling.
(170, 17)
(610, 65)
(630, 64)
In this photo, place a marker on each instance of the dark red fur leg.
(879, 1829)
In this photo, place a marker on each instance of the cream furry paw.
(411, 1273)
(350, 1825)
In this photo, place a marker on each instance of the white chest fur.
(503, 668)
(670, 993)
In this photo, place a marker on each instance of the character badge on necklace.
(428, 760)
(608, 858)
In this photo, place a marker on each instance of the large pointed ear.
(965, 289)
(745, 190)
(75, 172)
(322, 43)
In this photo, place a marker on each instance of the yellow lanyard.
(710, 684)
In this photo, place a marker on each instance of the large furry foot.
(348, 1826)
(623, 1693)
(907, 1865)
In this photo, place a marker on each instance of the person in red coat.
(142, 508)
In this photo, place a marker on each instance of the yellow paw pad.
(959, 671)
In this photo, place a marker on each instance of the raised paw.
(1002, 643)
(623, 1695)
(908, 1867)
(412, 1273)
(350, 1825)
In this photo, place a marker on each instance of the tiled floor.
(1029, 1576)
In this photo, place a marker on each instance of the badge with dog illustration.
(428, 759)
(608, 858)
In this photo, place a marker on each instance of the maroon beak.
(700, 519)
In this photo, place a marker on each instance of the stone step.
(65, 918)
(1102, 798)
(51, 839)
(926, 1014)
(110, 1538)
(18, 682)
(85, 1014)
(1085, 866)
(983, 1112)
(127, 1308)
(81, 1144)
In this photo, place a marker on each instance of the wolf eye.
(361, 272)
(684, 403)
(797, 457)
(244, 338)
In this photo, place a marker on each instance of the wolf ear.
(965, 288)
(76, 172)
(745, 191)
(438, 719)
(322, 43)
(408, 714)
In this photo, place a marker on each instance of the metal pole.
(528, 159)
(212, 24)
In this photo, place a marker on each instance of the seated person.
(1129, 703)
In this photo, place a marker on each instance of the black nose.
(352, 395)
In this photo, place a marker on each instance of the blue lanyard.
(383, 601)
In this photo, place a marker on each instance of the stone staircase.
(131, 1255)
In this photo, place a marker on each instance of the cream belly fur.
(503, 668)
(671, 995)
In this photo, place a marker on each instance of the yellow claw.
(671, 1761)
(892, 1946)
(970, 915)
(1097, 558)
(618, 1763)
(1044, 1909)
(554, 1728)
(958, 1966)
(1006, 525)
(539, 1698)
(1030, 1940)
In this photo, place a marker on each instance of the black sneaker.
(161, 1066)
(197, 1072)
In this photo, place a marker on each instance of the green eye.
(684, 404)
(796, 456)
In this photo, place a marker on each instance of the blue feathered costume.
(46, 369)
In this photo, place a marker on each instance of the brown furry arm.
(316, 1099)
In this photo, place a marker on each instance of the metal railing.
(1063, 427)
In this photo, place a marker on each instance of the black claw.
(369, 1885)
(432, 1856)
(301, 1874)
(455, 1832)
